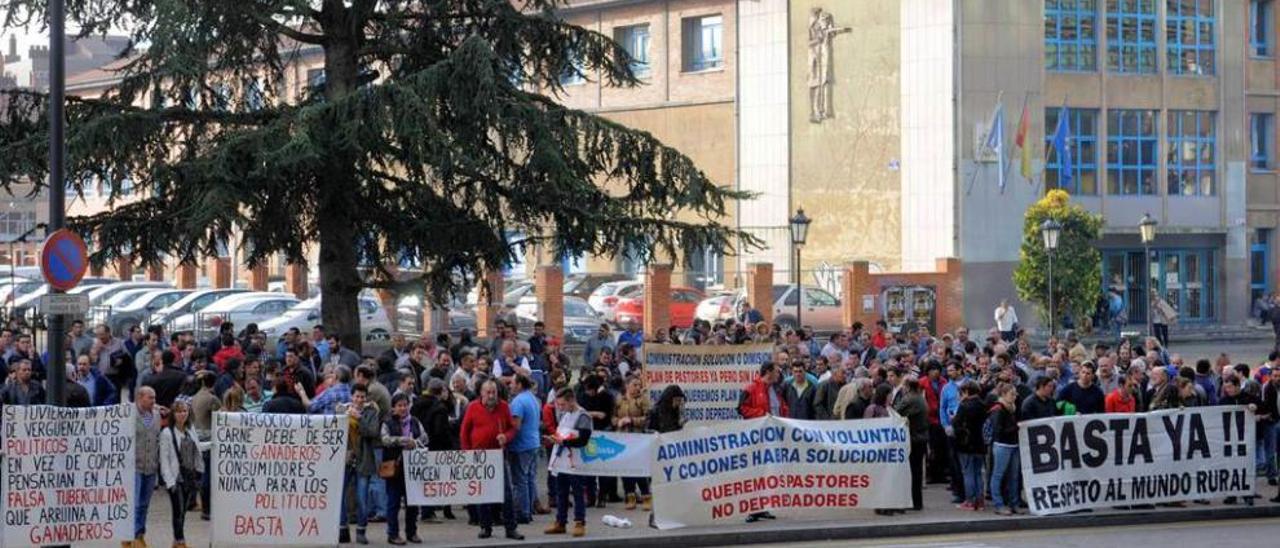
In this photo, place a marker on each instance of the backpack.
(989, 427)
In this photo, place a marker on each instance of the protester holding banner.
(573, 431)
(400, 432)
(668, 414)
(594, 397)
(629, 416)
(364, 433)
(911, 404)
(147, 455)
(488, 424)
(181, 466)
(433, 410)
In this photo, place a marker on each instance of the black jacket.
(1006, 425)
(286, 404)
(167, 384)
(433, 413)
(967, 424)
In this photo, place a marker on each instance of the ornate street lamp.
(1147, 230)
(799, 233)
(1050, 230)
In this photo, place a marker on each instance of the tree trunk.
(339, 277)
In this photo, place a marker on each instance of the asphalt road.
(1218, 534)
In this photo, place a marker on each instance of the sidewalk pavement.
(938, 517)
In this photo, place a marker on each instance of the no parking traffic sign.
(63, 259)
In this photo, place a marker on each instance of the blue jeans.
(1006, 477)
(566, 485)
(971, 469)
(354, 483)
(144, 485)
(524, 482)
(1266, 454)
(376, 491)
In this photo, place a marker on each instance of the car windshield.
(304, 307)
(572, 283)
(778, 291)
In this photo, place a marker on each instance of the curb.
(829, 531)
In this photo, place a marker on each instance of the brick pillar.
(220, 272)
(486, 311)
(186, 276)
(548, 286)
(950, 305)
(295, 280)
(856, 284)
(435, 319)
(258, 278)
(657, 298)
(760, 289)
(124, 268)
(155, 272)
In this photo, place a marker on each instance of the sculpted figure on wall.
(822, 32)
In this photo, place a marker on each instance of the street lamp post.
(1147, 230)
(1050, 230)
(799, 233)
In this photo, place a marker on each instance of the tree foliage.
(1077, 264)
(434, 134)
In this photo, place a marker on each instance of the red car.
(684, 302)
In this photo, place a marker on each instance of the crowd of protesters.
(963, 398)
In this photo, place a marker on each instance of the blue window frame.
(1260, 126)
(1132, 143)
(1260, 28)
(703, 39)
(635, 39)
(1071, 35)
(1084, 151)
(1192, 154)
(1131, 36)
(1189, 36)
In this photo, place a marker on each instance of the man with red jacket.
(488, 424)
(762, 396)
(931, 386)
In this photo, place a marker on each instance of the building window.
(1260, 28)
(702, 43)
(1189, 36)
(16, 223)
(573, 72)
(254, 97)
(635, 39)
(1260, 125)
(1131, 152)
(1070, 35)
(1192, 154)
(1084, 151)
(1131, 36)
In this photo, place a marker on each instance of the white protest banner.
(277, 479)
(1098, 461)
(68, 475)
(723, 472)
(453, 477)
(616, 454)
(712, 377)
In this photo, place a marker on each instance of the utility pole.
(57, 186)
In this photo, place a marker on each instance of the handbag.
(188, 478)
(387, 469)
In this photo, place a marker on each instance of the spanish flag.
(1024, 127)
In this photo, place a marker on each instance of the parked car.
(375, 326)
(584, 284)
(580, 320)
(409, 317)
(716, 308)
(241, 309)
(684, 301)
(192, 303)
(820, 309)
(605, 298)
(138, 309)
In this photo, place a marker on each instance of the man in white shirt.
(1006, 319)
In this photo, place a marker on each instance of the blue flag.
(995, 141)
(1062, 146)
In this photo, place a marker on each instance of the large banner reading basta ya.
(725, 471)
(1098, 461)
(711, 377)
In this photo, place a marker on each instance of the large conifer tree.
(434, 134)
